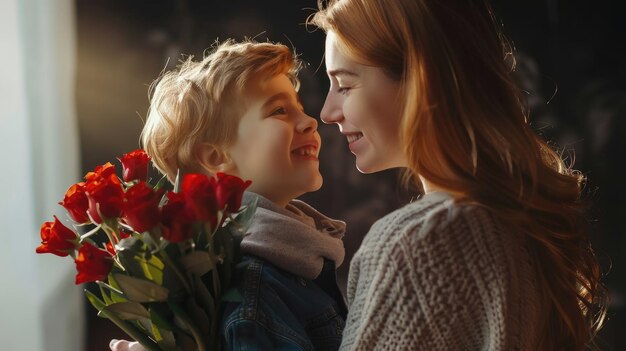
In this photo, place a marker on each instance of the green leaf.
(169, 342)
(108, 287)
(152, 268)
(127, 249)
(129, 329)
(128, 310)
(113, 283)
(228, 250)
(95, 301)
(140, 290)
(205, 299)
(157, 318)
(116, 292)
(160, 183)
(145, 325)
(182, 320)
(185, 341)
(105, 296)
(152, 237)
(155, 332)
(200, 319)
(172, 282)
(197, 262)
(245, 217)
(164, 338)
(163, 200)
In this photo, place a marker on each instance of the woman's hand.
(125, 345)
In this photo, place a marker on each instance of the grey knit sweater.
(435, 275)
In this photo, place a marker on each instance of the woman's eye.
(343, 90)
(278, 111)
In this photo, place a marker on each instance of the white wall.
(40, 308)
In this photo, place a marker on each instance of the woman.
(495, 254)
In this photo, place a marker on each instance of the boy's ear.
(212, 158)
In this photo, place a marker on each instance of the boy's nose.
(306, 124)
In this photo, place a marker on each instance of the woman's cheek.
(355, 110)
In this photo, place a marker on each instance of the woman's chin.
(365, 167)
(368, 166)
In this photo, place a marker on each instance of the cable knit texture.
(436, 275)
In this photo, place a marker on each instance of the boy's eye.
(278, 111)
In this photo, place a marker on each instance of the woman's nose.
(331, 111)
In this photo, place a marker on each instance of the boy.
(238, 112)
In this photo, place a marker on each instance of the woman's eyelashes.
(341, 87)
(343, 90)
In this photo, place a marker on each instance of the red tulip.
(92, 264)
(57, 239)
(229, 191)
(135, 164)
(76, 203)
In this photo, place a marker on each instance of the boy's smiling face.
(277, 144)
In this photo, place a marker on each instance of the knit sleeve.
(438, 286)
(377, 317)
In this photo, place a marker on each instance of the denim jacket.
(281, 311)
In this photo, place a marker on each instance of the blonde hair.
(202, 102)
(465, 129)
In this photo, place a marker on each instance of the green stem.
(132, 331)
(194, 332)
(110, 232)
(197, 337)
(90, 233)
(215, 275)
(212, 338)
(166, 259)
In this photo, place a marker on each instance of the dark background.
(569, 61)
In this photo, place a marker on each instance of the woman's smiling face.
(363, 102)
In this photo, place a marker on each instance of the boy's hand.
(124, 345)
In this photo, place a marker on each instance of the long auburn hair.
(465, 129)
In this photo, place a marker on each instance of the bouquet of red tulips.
(164, 260)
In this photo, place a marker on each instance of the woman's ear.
(213, 159)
